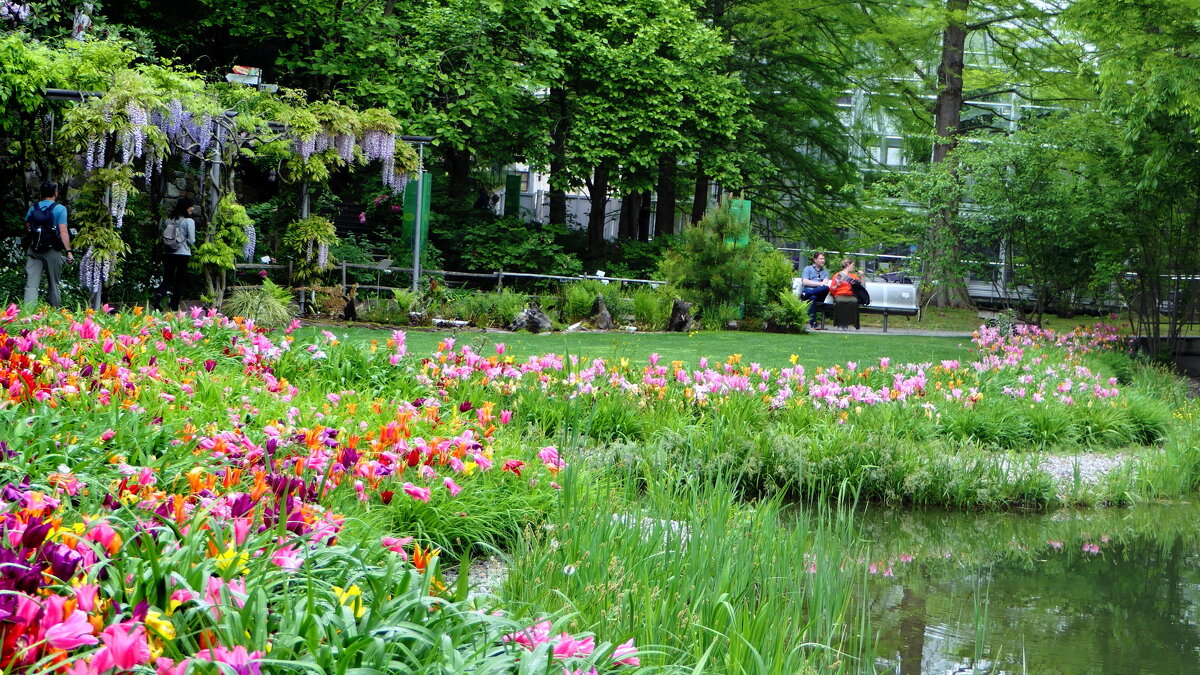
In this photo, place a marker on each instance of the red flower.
(513, 465)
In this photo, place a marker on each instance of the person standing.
(46, 240)
(814, 282)
(178, 236)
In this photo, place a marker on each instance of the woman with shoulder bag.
(178, 236)
(845, 304)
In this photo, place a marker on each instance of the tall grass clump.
(651, 308)
(696, 576)
(268, 305)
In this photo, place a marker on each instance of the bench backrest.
(883, 295)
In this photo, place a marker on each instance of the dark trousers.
(174, 282)
(815, 295)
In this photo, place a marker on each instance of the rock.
(173, 192)
(533, 319)
(439, 322)
(575, 327)
(604, 320)
(629, 329)
(681, 317)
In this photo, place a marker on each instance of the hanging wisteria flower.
(251, 240)
(137, 122)
(323, 255)
(205, 132)
(117, 200)
(344, 143)
(15, 11)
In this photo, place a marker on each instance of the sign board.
(410, 205)
(245, 75)
(739, 210)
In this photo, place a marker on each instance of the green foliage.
(660, 567)
(483, 309)
(651, 308)
(707, 266)
(97, 227)
(268, 305)
(788, 312)
(306, 240)
(484, 243)
(223, 239)
(579, 300)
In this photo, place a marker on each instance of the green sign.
(739, 210)
(410, 205)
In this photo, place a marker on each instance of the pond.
(1096, 592)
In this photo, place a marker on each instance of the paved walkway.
(876, 330)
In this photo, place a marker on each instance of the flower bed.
(187, 490)
(173, 502)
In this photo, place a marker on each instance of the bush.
(706, 265)
(485, 243)
(267, 305)
(651, 308)
(788, 312)
(718, 316)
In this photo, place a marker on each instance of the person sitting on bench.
(845, 305)
(814, 282)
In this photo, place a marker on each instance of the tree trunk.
(643, 216)
(664, 221)
(951, 289)
(599, 201)
(700, 197)
(558, 157)
(458, 171)
(630, 206)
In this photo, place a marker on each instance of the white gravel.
(1092, 468)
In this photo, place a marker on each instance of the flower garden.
(191, 493)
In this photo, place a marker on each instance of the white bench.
(886, 299)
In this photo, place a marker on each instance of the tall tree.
(961, 54)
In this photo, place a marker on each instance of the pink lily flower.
(74, 632)
(124, 648)
(418, 493)
(452, 486)
(625, 653)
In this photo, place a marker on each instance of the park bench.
(886, 299)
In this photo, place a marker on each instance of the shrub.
(651, 308)
(718, 316)
(267, 305)
(707, 266)
(405, 300)
(788, 312)
(578, 299)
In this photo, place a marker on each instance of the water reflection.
(1112, 592)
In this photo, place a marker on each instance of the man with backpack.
(46, 239)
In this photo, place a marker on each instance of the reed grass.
(699, 576)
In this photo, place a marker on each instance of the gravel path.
(1092, 468)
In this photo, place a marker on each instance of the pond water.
(1097, 592)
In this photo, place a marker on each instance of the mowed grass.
(769, 349)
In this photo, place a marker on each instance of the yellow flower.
(231, 557)
(160, 625)
(352, 598)
(793, 358)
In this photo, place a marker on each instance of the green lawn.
(769, 349)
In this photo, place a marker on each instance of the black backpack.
(41, 233)
(860, 292)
